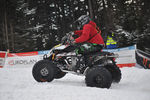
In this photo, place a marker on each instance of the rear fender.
(104, 61)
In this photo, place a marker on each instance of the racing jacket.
(89, 34)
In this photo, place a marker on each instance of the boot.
(87, 60)
(76, 68)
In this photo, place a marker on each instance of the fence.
(143, 58)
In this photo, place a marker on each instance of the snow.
(18, 84)
(29, 12)
(37, 27)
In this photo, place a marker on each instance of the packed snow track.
(18, 84)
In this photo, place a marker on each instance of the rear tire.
(115, 72)
(43, 71)
(98, 77)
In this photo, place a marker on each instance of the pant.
(87, 49)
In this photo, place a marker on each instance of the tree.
(29, 25)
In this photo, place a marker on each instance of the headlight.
(108, 62)
(50, 53)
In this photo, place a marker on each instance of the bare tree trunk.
(105, 21)
(110, 15)
(6, 30)
(3, 32)
(12, 36)
(90, 9)
(105, 15)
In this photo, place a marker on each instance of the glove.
(64, 39)
(72, 33)
(72, 41)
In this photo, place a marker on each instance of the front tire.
(58, 73)
(43, 71)
(98, 77)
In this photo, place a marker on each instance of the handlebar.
(67, 38)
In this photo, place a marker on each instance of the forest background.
(33, 25)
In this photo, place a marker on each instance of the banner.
(126, 56)
(43, 52)
(143, 59)
(2, 58)
(28, 59)
(23, 54)
(20, 60)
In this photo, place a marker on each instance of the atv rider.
(89, 37)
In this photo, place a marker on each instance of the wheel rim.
(44, 72)
(98, 79)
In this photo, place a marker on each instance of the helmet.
(82, 20)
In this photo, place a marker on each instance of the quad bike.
(100, 71)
